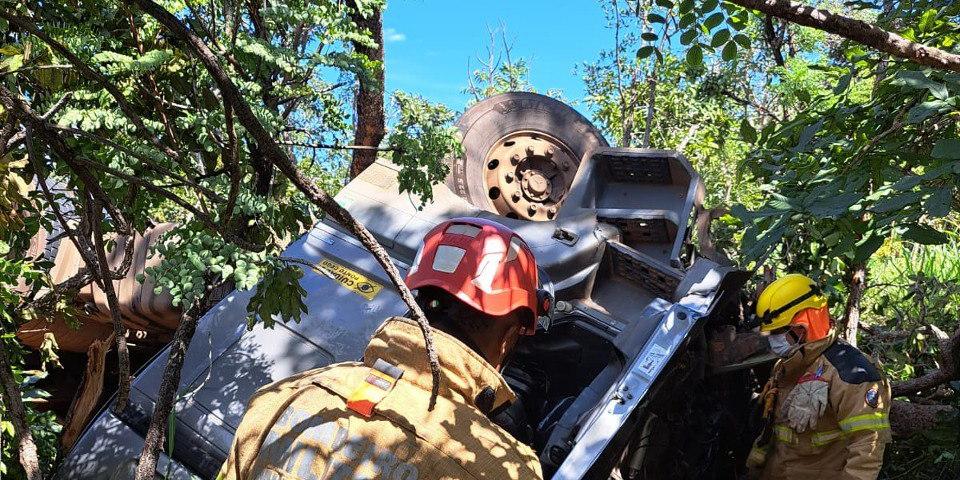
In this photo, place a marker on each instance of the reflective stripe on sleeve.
(869, 421)
(785, 434)
(820, 439)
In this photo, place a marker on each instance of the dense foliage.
(104, 102)
(833, 160)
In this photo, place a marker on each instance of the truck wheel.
(521, 153)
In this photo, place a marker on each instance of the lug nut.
(529, 150)
(549, 152)
(551, 212)
(515, 197)
(515, 159)
(508, 177)
(532, 210)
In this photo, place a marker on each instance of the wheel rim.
(528, 175)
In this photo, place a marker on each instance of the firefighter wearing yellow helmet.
(826, 405)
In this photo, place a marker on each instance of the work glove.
(805, 404)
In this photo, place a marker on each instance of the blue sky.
(428, 43)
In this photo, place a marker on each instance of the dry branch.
(855, 30)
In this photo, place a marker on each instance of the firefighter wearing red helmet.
(478, 284)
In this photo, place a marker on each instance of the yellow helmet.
(786, 297)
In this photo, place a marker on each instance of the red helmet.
(485, 265)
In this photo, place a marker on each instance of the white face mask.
(780, 346)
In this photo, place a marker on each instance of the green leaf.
(645, 51)
(907, 183)
(939, 203)
(713, 20)
(655, 18)
(947, 148)
(686, 6)
(742, 40)
(922, 111)
(835, 205)
(720, 38)
(665, 3)
(866, 247)
(747, 132)
(843, 84)
(687, 37)
(895, 202)
(927, 20)
(686, 21)
(649, 36)
(729, 51)
(920, 80)
(709, 5)
(695, 56)
(807, 134)
(925, 235)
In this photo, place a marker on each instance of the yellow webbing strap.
(381, 379)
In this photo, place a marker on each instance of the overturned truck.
(614, 386)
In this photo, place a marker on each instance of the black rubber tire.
(492, 119)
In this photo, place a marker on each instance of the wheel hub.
(528, 175)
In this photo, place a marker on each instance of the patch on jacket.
(872, 396)
(852, 365)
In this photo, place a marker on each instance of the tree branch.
(18, 416)
(94, 209)
(337, 147)
(851, 313)
(949, 369)
(775, 43)
(855, 30)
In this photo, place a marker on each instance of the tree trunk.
(368, 107)
(851, 314)
(856, 30)
(18, 416)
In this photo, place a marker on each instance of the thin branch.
(748, 103)
(337, 147)
(148, 163)
(856, 30)
(93, 210)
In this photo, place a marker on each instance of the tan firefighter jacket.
(302, 427)
(849, 439)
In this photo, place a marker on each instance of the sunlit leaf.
(695, 55)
